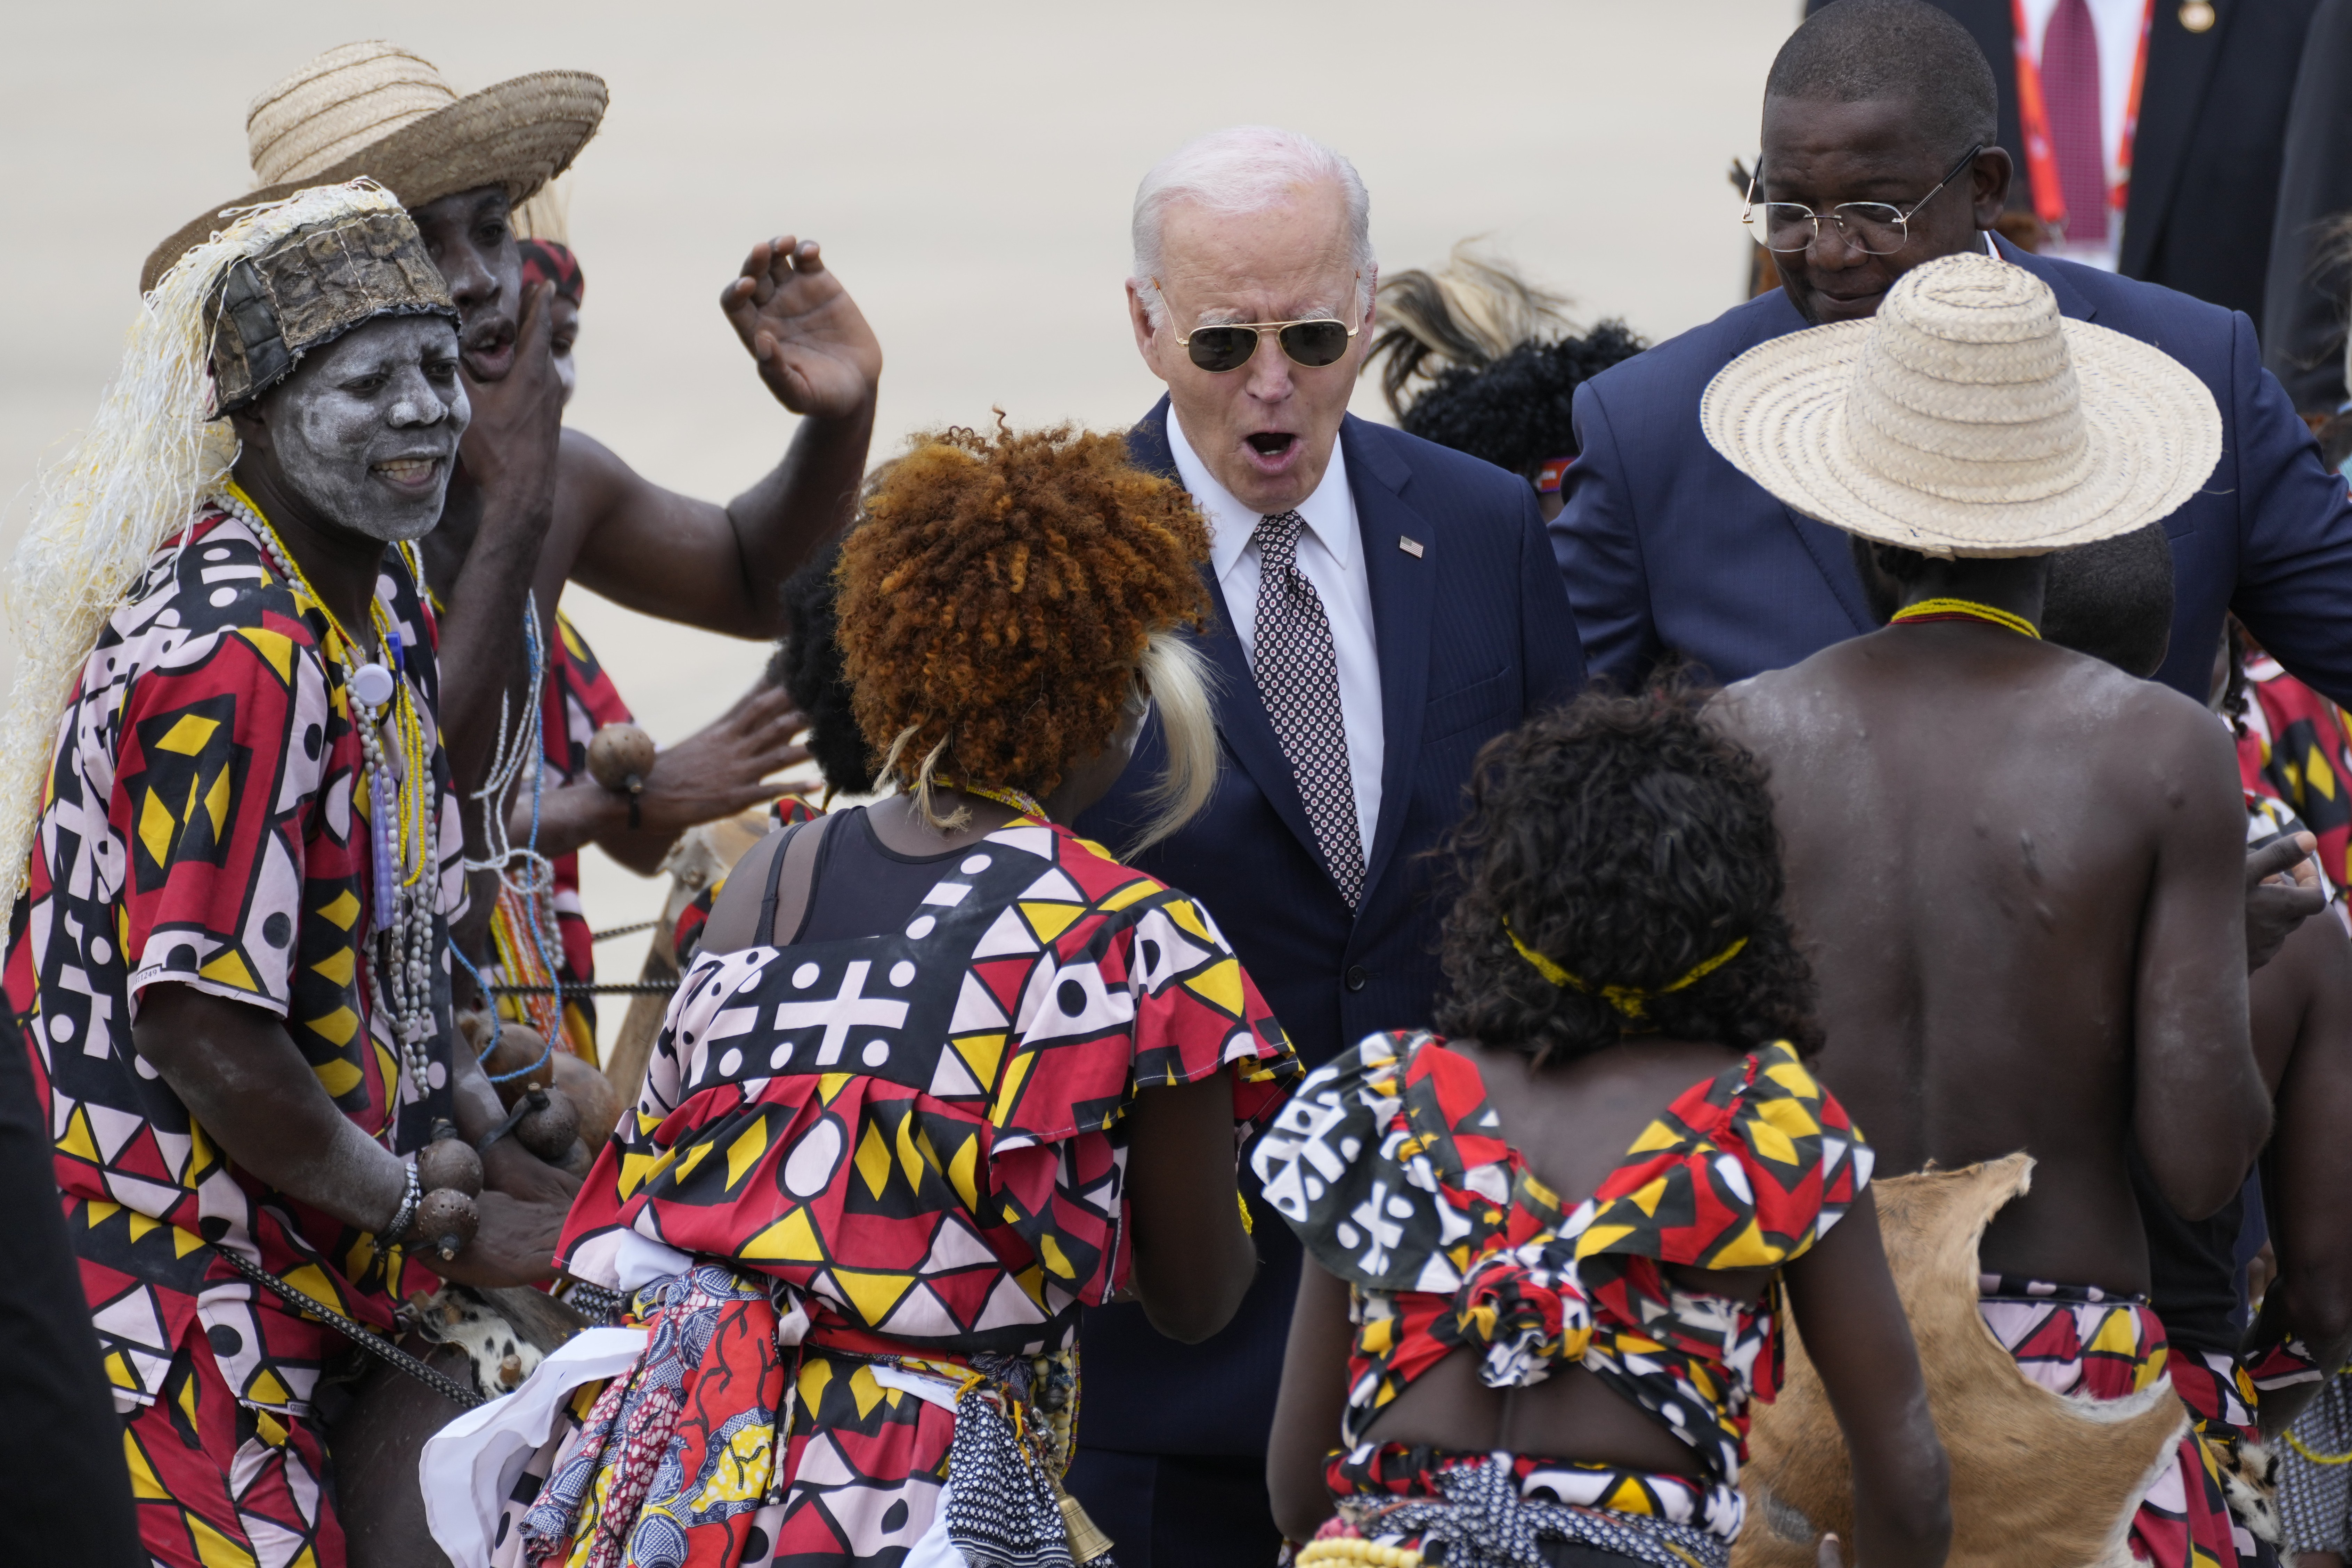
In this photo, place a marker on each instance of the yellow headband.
(1630, 1000)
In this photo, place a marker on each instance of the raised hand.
(511, 444)
(719, 771)
(809, 339)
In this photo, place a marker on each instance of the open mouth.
(409, 473)
(1271, 443)
(489, 352)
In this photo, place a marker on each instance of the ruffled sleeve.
(1390, 1164)
(1744, 1171)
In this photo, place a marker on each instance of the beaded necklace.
(1026, 805)
(398, 778)
(1966, 610)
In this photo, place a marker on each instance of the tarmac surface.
(968, 169)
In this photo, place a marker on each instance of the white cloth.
(468, 1467)
(1332, 555)
(2117, 24)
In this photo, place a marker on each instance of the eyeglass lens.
(1874, 227)
(1310, 343)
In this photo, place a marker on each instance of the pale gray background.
(968, 169)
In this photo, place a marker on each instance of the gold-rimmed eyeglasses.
(1314, 342)
(1875, 229)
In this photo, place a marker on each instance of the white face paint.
(564, 330)
(366, 428)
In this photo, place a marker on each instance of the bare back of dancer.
(2019, 876)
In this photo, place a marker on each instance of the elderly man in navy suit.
(1879, 117)
(1385, 607)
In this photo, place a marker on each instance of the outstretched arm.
(1843, 1300)
(718, 771)
(2199, 1111)
(722, 567)
(2311, 1218)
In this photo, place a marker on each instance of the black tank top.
(859, 887)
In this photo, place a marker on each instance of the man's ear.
(1990, 179)
(252, 431)
(1147, 340)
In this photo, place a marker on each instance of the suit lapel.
(1403, 588)
(1242, 722)
(2179, 71)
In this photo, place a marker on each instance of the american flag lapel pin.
(1411, 546)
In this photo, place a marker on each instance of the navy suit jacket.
(1474, 634)
(1669, 550)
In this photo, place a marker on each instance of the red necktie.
(2070, 91)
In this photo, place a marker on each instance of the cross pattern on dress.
(851, 1008)
(1297, 674)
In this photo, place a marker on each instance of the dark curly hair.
(997, 596)
(1517, 413)
(1628, 842)
(807, 664)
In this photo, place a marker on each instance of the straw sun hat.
(375, 108)
(1968, 418)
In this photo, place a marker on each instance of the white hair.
(1245, 169)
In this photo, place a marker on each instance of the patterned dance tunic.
(1391, 1166)
(867, 1187)
(207, 825)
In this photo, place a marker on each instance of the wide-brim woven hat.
(1968, 418)
(377, 111)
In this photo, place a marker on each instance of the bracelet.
(389, 1236)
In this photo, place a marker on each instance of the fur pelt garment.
(2038, 1480)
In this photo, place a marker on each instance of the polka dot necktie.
(1298, 680)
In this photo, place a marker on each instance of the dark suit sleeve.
(2294, 523)
(2303, 305)
(64, 1489)
(1599, 553)
(1551, 652)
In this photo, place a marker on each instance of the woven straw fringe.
(1968, 418)
(149, 456)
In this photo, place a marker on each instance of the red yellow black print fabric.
(921, 1131)
(1392, 1167)
(917, 1139)
(207, 828)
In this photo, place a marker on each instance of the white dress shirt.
(2117, 24)
(1332, 555)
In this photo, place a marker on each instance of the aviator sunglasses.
(1313, 344)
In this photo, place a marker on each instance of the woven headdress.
(229, 319)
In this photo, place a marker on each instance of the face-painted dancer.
(234, 848)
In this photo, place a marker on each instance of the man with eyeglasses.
(1385, 606)
(1878, 154)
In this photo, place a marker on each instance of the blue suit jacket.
(1474, 634)
(1667, 549)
